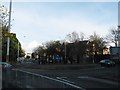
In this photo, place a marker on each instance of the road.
(83, 79)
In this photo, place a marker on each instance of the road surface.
(83, 79)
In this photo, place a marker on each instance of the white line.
(93, 68)
(99, 80)
(60, 78)
(29, 86)
(83, 77)
(75, 86)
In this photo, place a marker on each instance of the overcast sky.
(37, 22)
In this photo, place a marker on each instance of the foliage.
(50, 48)
(13, 40)
(96, 44)
(76, 50)
(3, 15)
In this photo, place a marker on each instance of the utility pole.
(119, 24)
(93, 53)
(18, 49)
(118, 35)
(8, 38)
(65, 52)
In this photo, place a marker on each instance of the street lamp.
(93, 52)
(8, 39)
(118, 35)
(64, 42)
(18, 50)
(65, 51)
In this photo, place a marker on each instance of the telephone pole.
(119, 24)
(8, 38)
(118, 35)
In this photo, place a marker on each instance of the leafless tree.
(82, 36)
(113, 36)
(74, 36)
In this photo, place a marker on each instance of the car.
(107, 62)
(6, 66)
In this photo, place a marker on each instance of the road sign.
(9, 35)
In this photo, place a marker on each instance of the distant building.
(76, 52)
(106, 51)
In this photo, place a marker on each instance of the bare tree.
(82, 36)
(74, 36)
(113, 36)
(3, 15)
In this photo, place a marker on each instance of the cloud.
(33, 44)
(62, 0)
(29, 47)
(41, 28)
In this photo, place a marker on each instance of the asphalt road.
(84, 78)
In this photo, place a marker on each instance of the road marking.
(83, 77)
(67, 83)
(61, 78)
(99, 80)
(93, 68)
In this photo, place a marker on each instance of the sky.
(38, 22)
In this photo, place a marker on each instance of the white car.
(6, 66)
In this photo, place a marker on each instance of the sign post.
(9, 35)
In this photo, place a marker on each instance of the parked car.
(107, 62)
(6, 66)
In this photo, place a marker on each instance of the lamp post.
(118, 35)
(8, 39)
(64, 42)
(65, 51)
(93, 53)
(18, 50)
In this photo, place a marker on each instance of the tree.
(13, 40)
(49, 49)
(74, 36)
(40, 50)
(113, 36)
(96, 44)
(3, 15)
(82, 36)
(53, 47)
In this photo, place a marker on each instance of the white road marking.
(93, 68)
(99, 80)
(61, 78)
(29, 86)
(67, 83)
(83, 77)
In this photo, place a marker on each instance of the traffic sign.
(9, 35)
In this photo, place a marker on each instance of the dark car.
(6, 66)
(107, 62)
